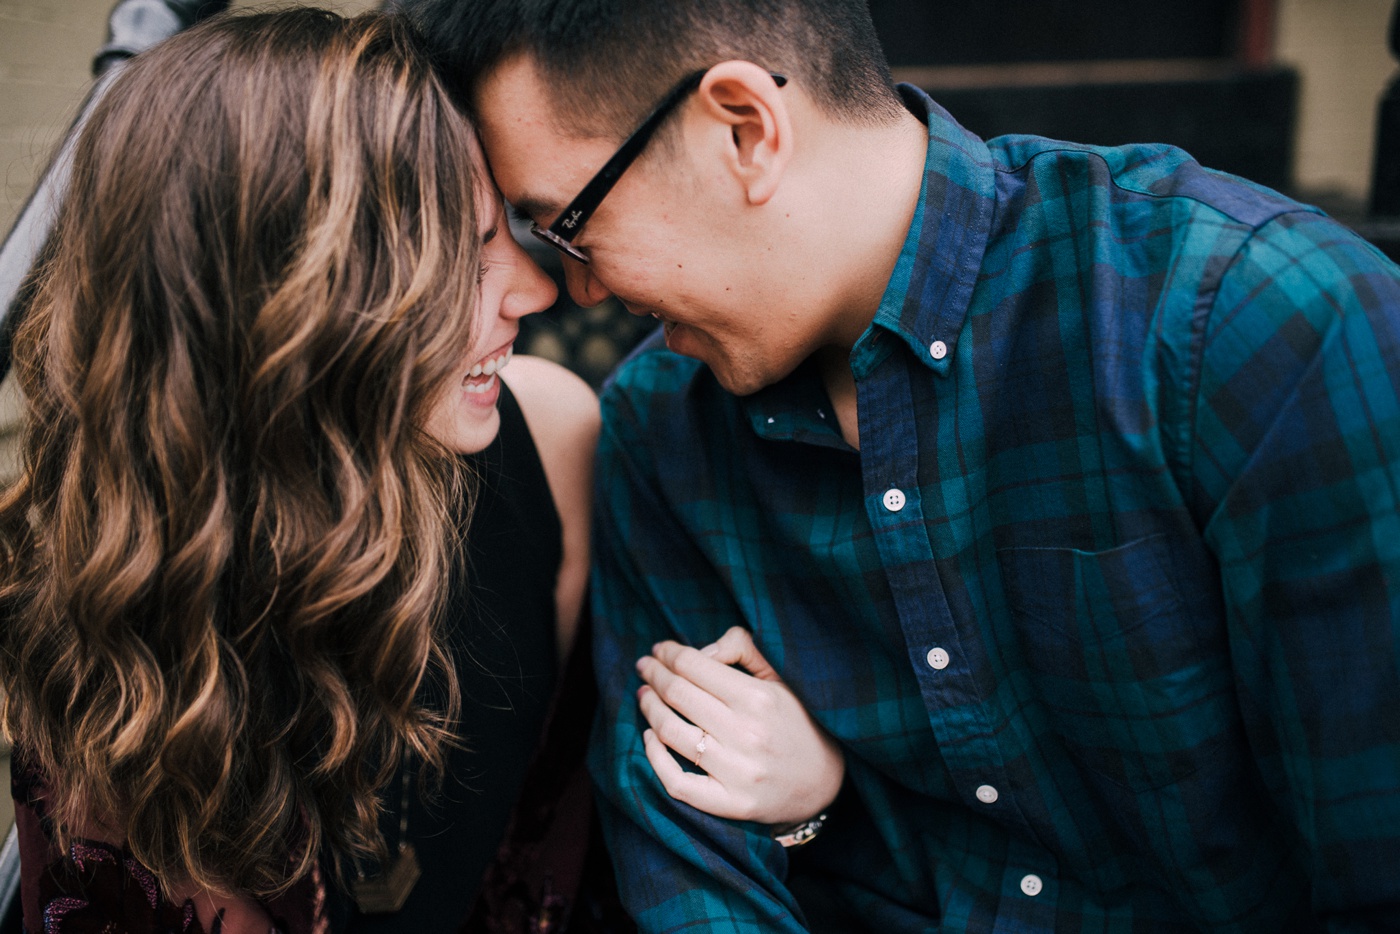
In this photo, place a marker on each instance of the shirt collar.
(928, 295)
(927, 298)
(795, 408)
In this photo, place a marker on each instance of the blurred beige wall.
(46, 49)
(1339, 47)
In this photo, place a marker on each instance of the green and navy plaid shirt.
(1105, 611)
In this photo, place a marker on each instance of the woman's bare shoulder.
(559, 407)
(562, 414)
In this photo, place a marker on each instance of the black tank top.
(501, 627)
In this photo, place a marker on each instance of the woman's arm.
(562, 414)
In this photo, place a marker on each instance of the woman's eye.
(481, 272)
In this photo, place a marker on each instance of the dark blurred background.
(1197, 73)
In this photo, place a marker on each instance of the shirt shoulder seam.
(1093, 152)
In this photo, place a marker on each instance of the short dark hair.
(611, 59)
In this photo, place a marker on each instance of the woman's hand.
(765, 758)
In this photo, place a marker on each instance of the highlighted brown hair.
(225, 560)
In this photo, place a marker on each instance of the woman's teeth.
(486, 368)
(480, 387)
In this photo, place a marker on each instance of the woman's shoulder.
(562, 414)
(560, 408)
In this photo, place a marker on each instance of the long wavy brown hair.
(225, 560)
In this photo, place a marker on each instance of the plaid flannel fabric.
(1106, 609)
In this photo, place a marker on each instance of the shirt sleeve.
(678, 868)
(1296, 462)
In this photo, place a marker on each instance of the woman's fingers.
(736, 647)
(682, 692)
(684, 738)
(716, 676)
(766, 757)
(698, 791)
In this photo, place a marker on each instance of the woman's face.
(510, 286)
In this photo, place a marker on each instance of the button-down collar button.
(938, 350)
(938, 658)
(986, 794)
(1032, 885)
(770, 421)
(894, 499)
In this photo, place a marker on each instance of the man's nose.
(583, 285)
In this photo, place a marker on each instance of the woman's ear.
(749, 101)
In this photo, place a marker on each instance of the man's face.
(672, 239)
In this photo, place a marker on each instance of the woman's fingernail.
(711, 650)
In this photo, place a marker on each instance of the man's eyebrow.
(489, 235)
(536, 207)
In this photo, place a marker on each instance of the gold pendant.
(387, 891)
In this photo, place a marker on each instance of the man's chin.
(682, 340)
(735, 383)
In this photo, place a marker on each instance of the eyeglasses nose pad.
(559, 243)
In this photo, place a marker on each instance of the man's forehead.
(512, 112)
(515, 85)
(537, 165)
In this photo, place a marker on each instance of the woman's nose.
(533, 290)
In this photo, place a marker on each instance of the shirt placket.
(957, 709)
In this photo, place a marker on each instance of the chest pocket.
(1128, 654)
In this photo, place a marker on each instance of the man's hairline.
(557, 122)
(535, 205)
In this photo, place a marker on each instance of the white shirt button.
(986, 794)
(1032, 885)
(938, 658)
(938, 350)
(894, 500)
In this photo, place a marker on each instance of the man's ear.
(747, 99)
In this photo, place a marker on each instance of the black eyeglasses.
(570, 221)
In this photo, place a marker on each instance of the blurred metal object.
(27, 238)
(10, 920)
(136, 25)
(132, 27)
